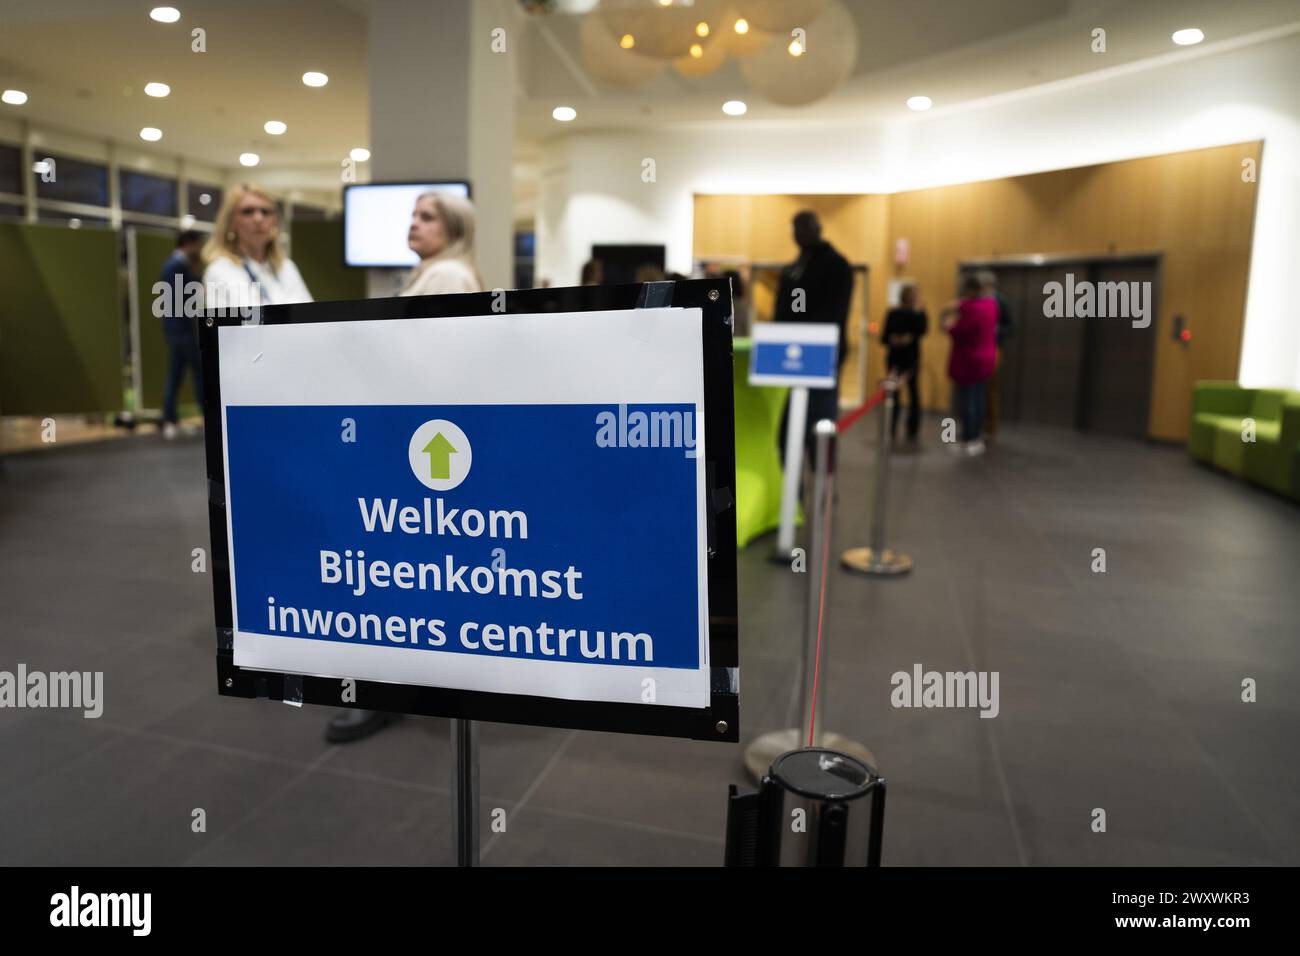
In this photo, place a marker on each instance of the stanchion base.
(763, 751)
(886, 563)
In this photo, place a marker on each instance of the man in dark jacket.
(181, 273)
(816, 287)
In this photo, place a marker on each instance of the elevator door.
(1118, 357)
(1041, 364)
(1070, 371)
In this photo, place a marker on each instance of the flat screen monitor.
(376, 217)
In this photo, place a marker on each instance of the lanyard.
(259, 283)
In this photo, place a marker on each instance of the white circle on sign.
(440, 455)
(793, 351)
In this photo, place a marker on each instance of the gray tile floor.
(1118, 690)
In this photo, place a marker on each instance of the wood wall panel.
(759, 229)
(1192, 207)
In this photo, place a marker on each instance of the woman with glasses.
(247, 266)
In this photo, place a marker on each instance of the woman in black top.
(904, 327)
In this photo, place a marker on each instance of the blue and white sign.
(794, 354)
(511, 504)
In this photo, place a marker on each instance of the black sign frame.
(719, 721)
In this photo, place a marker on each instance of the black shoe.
(349, 725)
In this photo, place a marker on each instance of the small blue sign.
(795, 354)
(794, 359)
(546, 532)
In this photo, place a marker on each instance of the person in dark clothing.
(186, 265)
(816, 287)
(905, 325)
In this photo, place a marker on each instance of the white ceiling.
(84, 64)
(952, 51)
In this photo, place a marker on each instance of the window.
(204, 211)
(11, 175)
(73, 219)
(72, 180)
(144, 193)
(304, 211)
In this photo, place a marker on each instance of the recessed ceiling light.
(627, 41)
(151, 134)
(1188, 36)
(702, 28)
(697, 51)
(249, 159)
(274, 127)
(565, 114)
(919, 103)
(312, 78)
(157, 89)
(165, 14)
(187, 221)
(205, 199)
(14, 97)
(734, 108)
(795, 48)
(359, 154)
(741, 26)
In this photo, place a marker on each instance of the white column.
(442, 106)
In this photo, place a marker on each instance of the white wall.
(592, 190)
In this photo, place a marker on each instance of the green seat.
(1271, 460)
(1218, 433)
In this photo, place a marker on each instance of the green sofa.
(1215, 435)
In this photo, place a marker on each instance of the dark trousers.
(184, 351)
(913, 406)
(969, 409)
(992, 407)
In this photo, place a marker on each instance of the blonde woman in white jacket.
(246, 264)
(442, 235)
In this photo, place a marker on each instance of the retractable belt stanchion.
(876, 559)
(820, 801)
(815, 807)
(795, 426)
(760, 754)
(464, 791)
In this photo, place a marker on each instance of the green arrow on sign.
(439, 451)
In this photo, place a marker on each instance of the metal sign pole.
(133, 312)
(760, 754)
(811, 699)
(464, 791)
(876, 559)
(795, 426)
(864, 335)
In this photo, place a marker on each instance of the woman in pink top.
(972, 321)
